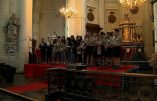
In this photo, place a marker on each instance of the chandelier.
(69, 12)
(132, 3)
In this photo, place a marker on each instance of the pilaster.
(25, 32)
(155, 24)
(101, 13)
(76, 25)
(36, 17)
(4, 16)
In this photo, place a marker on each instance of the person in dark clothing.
(49, 52)
(79, 49)
(68, 50)
(73, 49)
(63, 49)
(42, 47)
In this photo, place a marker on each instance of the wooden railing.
(89, 85)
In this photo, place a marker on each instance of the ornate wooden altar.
(132, 40)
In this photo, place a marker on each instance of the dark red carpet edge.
(35, 86)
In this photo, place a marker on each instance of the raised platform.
(39, 70)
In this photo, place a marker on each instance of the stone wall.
(50, 19)
(23, 10)
(4, 6)
(155, 25)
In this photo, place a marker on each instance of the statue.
(126, 35)
(128, 27)
(12, 29)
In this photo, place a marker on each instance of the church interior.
(78, 50)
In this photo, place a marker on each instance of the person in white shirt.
(116, 48)
(89, 51)
(107, 53)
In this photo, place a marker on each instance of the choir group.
(93, 49)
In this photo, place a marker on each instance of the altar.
(132, 40)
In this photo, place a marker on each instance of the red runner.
(28, 87)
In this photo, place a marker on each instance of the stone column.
(155, 24)
(36, 15)
(146, 27)
(13, 7)
(81, 19)
(25, 32)
(76, 25)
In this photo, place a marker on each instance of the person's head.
(102, 33)
(88, 34)
(42, 40)
(95, 34)
(63, 37)
(54, 41)
(80, 38)
(111, 33)
(68, 39)
(77, 37)
(72, 37)
(116, 30)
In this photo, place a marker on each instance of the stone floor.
(19, 79)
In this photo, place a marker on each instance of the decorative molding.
(134, 10)
(90, 15)
(111, 17)
(88, 6)
(111, 6)
(92, 3)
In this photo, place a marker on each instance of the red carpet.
(28, 87)
(39, 70)
(111, 80)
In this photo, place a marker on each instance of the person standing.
(89, 51)
(72, 49)
(116, 48)
(49, 52)
(63, 49)
(42, 47)
(98, 50)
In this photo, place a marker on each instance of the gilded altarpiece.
(132, 40)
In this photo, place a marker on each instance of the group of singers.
(88, 50)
